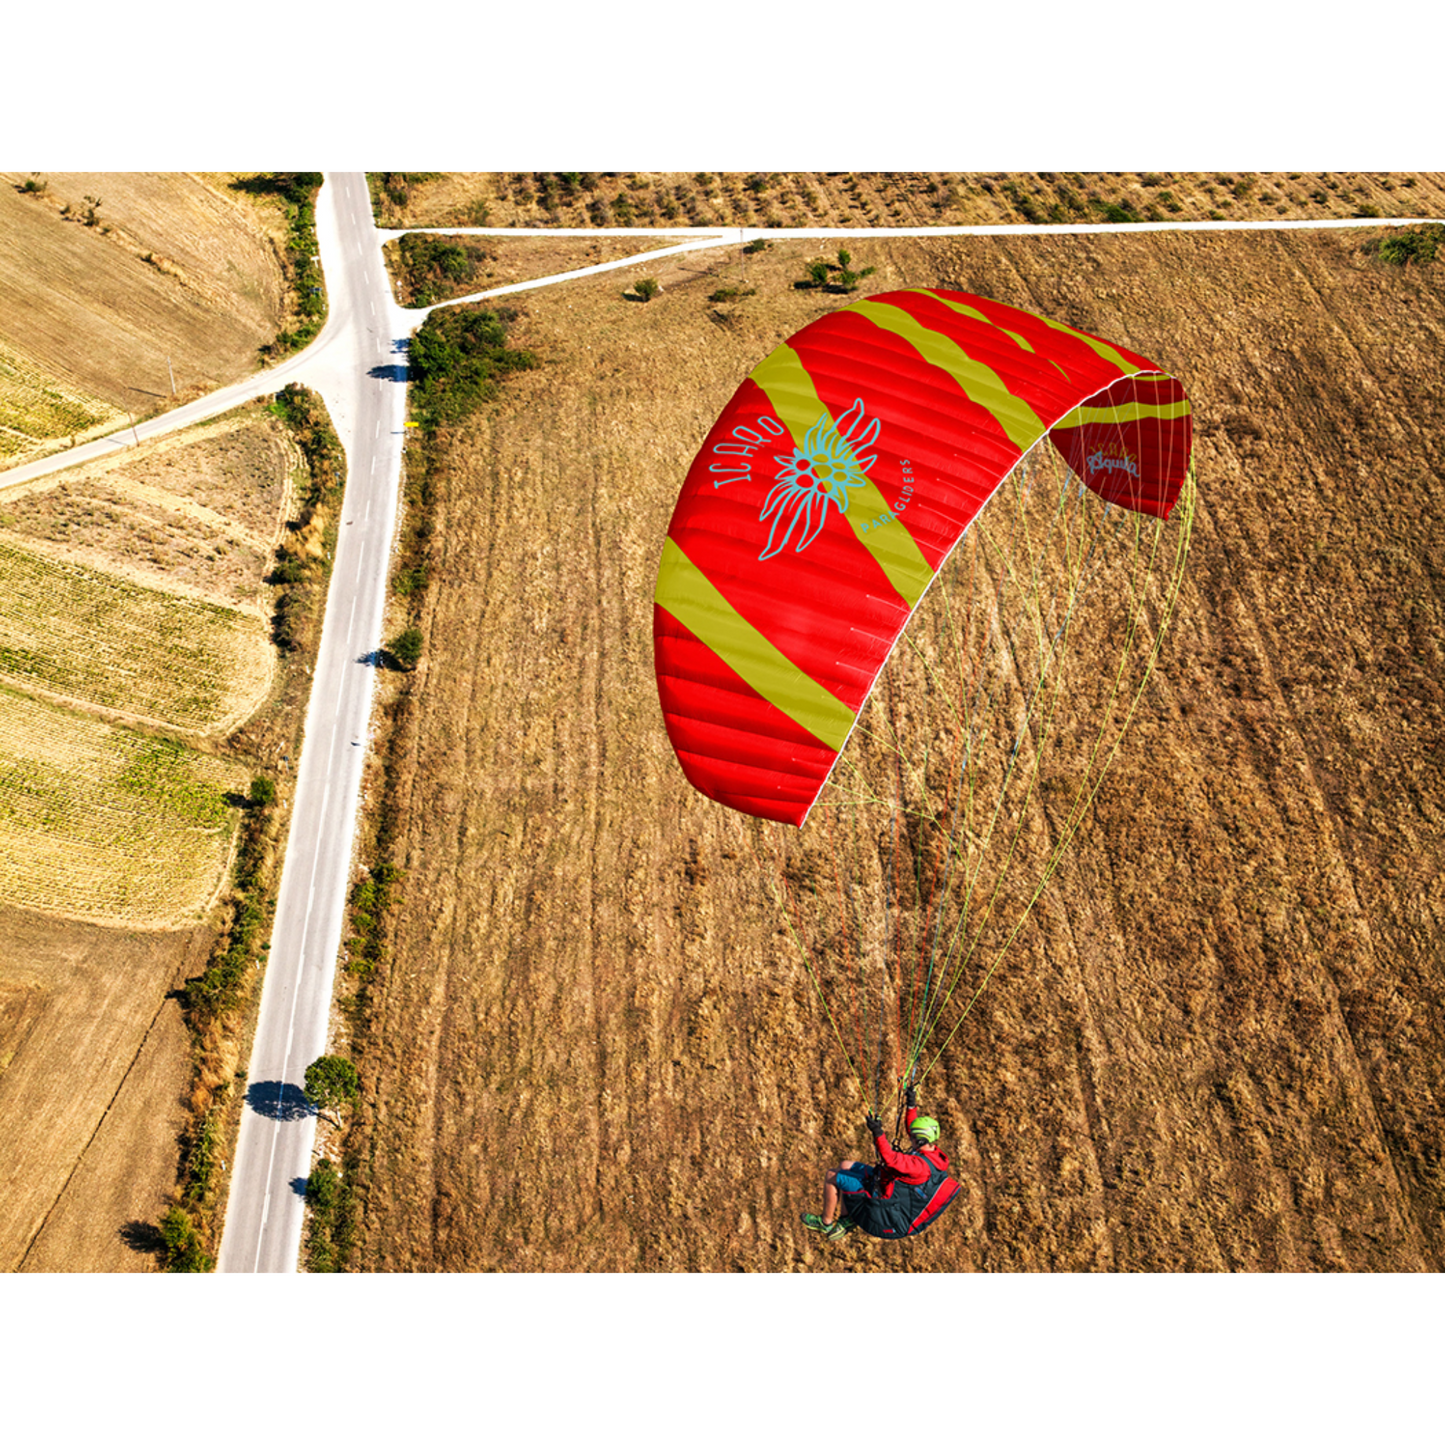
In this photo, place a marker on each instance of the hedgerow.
(457, 359)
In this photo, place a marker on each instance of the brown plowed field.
(90, 1148)
(1222, 1048)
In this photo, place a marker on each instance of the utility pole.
(173, 376)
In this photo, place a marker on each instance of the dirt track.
(1223, 1047)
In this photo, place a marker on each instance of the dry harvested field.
(199, 512)
(156, 656)
(178, 277)
(135, 617)
(94, 1067)
(1221, 1047)
(107, 823)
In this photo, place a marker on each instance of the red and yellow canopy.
(832, 489)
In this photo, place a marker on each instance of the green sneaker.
(836, 1230)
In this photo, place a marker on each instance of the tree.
(330, 1083)
(406, 647)
(817, 273)
(184, 1252)
(263, 792)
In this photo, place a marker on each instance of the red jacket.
(898, 1165)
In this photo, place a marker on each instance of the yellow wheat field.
(75, 632)
(36, 408)
(99, 821)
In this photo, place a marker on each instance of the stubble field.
(136, 621)
(1220, 1048)
(132, 628)
(161, 292)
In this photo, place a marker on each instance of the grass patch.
(36, 407)
(102, 821)
(1410, 245)
(98, 638)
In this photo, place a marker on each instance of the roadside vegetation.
(297, 189)
(437, 268)
(331, 1218)
(459, 360)
(302, 566)
(394, 189)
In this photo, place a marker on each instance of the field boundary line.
(714, 237)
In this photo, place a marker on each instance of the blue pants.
(857, 1180)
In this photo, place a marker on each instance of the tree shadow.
(380, 659)
(276, 1100)
(391, 372)
(298, 1186)
(142, 1236)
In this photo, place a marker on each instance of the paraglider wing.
(830, 492)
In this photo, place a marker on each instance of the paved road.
(358, 366)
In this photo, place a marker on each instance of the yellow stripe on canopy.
(1124, 412)
(686, 594)
(979, 381)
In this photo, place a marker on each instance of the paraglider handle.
(908, 1099)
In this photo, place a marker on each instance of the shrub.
(406, 647)
(1417, 244)
(456, 359)
(1113, 212)
(322, 1186)
(184, 1251)
(645, 289)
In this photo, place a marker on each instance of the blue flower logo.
(819, 472)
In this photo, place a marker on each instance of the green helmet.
(924, 1129)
